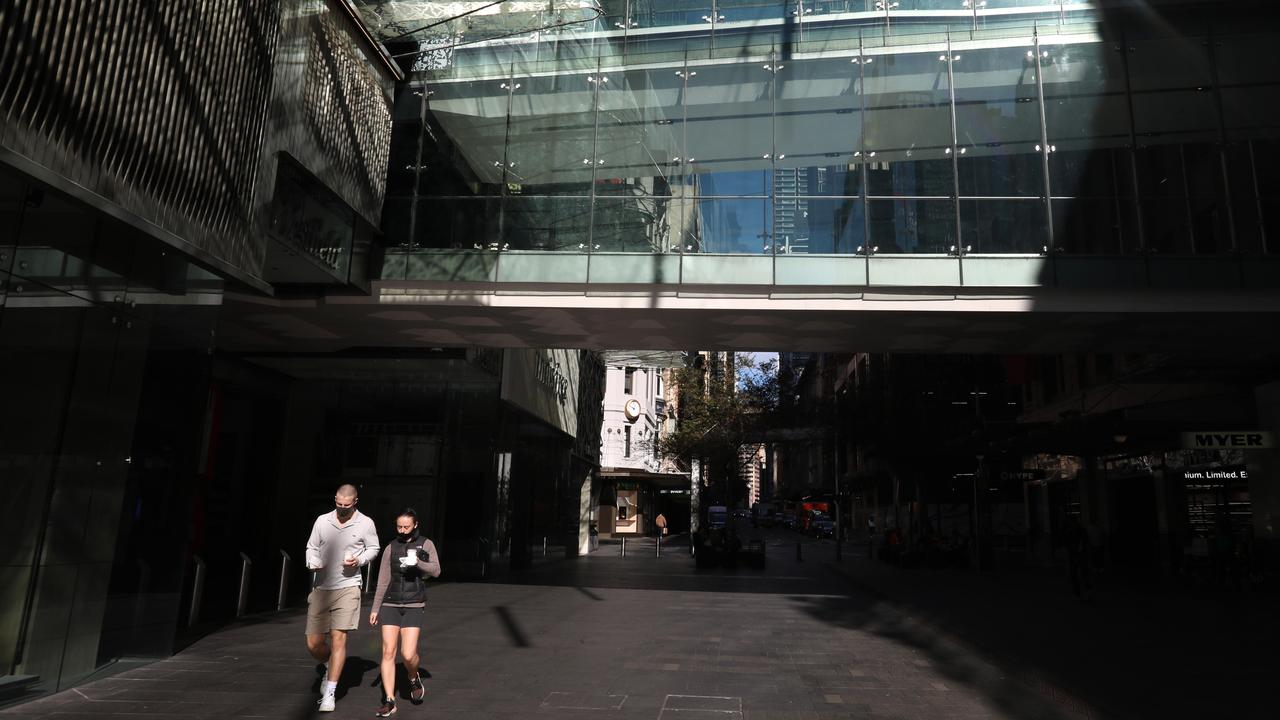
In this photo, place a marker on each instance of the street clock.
(632, 409)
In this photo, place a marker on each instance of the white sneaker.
(327, 704)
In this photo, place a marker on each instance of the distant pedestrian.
(399, 603)
(661, 523)
(342, 541)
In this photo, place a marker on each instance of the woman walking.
(400, 604)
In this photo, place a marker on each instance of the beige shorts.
(333, 610)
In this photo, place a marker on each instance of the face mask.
(344, 513)
(405, 537)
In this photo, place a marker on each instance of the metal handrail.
(242, 602)
(197, 590)
(286, 562)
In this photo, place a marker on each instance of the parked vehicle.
(820, 525)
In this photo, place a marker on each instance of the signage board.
(543, 383)
(1228, 440)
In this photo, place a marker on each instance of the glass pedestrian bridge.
(936, 143)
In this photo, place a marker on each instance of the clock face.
(632, 409)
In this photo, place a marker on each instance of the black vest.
(408, 584)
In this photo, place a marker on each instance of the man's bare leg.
(337, 654)
(318, 646)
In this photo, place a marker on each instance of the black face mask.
(344, 513)
(406, 537)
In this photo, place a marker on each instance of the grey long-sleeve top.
(430, 567)
(331, 541)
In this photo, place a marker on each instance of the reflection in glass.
(817, 128)
(461, 224)
(638, 223)
(551, 134)
(1004, 226)
(907, 125)
(997, 123)
(912, 226)
(641, 131)
(730, 127)
(1095, 226)
(546, 223)
(473, 115)
(737, 226)
(818, 225)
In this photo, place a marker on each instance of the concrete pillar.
(584, 515)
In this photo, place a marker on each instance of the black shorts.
(402, 616)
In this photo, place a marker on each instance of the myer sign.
(1228, 440)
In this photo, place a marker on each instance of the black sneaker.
(424, 674)
(416, 691)
(388, 708)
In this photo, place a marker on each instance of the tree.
(723, 402)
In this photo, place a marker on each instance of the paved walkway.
(611, 638)
(1135, 649)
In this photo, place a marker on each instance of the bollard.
(657, 549)
(242, 603)
(624, 547)
(544, 546)
(285, 563)
(197, 591)
(799, 556)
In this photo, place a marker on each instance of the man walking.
(341, 543)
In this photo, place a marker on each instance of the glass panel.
(461, 224)
(1174, 116)
(1252, 111)
(740, 10)
(473, 115)
(1165, 223)
(664, 13)
(998, 123)
(1004, 226)
(912, 226)
(739, 226)
(1266, 163)
(641, 223)
(907, 125)
(730, 128)
(551, 135)
(1271, 221)
(819, 225)
(1173, 62)
(641, 147)
(1244, 202)
(926, 172)
(1100, 173)
(546, 223)
(1086, 119)
(817, 128)
(1246, 58)
(1090, 226)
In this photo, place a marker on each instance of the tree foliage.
(720, 408)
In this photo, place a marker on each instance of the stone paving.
(605, 637)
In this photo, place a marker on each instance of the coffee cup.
(412, 554)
